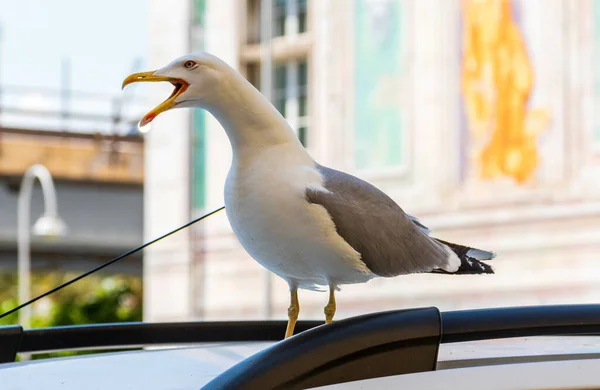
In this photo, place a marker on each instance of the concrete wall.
(167, 265)
(545, 232)
(103, 221)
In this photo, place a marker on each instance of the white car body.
(567, 362)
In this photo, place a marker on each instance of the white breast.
(297, 240)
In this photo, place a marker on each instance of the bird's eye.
(189, 64)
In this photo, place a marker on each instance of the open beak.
(179, 84)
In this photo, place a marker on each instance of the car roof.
(182, 368)
(251, 354)
(573, 374)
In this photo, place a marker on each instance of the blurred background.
(477, 116)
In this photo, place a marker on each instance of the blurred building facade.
(99, 187)
(479, 117)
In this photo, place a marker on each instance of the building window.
(279, 15)
(302, 88)
(289, 63)
(280, 88)
(290, 92)
(302, 10)
(289, 17)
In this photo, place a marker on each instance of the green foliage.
(5, 306)
(93, 300)
(111, 301)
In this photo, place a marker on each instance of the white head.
(197, 79)
(203, 80)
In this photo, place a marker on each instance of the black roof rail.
(522, 321)
(10, 341)
(122, 335)
(362, 347)
(393, 343)
(367, 346)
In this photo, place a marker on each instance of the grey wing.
(460, 250)
(416, 221)
(388, 240)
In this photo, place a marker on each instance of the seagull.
(315, 227)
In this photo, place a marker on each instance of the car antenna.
(139, 248)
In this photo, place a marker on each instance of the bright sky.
(102, 39)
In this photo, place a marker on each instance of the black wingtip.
(469, 266)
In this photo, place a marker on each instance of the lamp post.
(48, 225)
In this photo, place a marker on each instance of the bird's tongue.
(180, 87)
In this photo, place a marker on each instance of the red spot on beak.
(147, 119)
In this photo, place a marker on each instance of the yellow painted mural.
(497, 80)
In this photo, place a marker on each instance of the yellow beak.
(148, 77)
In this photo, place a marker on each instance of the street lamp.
(48, 225)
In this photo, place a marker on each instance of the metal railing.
(70, 110)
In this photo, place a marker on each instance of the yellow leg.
(330, 308)
(293, 311)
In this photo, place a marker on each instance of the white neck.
(250, 120)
